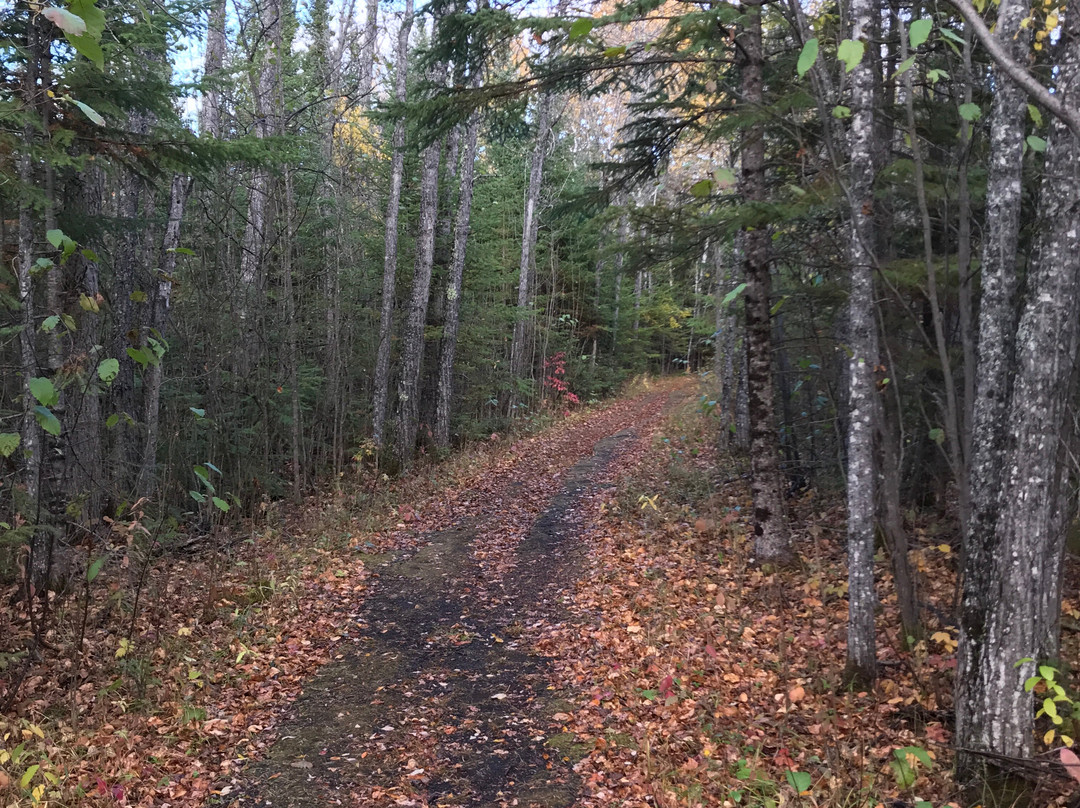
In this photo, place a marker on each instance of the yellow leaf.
(125, 646)
(944, 548)
(183, 631)
(34, 728)
(940, 636)
(1065, 739)
(1048, 738)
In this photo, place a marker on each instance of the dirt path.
(441, 700)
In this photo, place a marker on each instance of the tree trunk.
(264, 84)
(772, 542)
(863, 358)
(393, 206)
(159, 321)
(445, 392)
(1016, 532)
(980, 688)
(528, 239)
(412, 353)
(210, 111)
(367, 48)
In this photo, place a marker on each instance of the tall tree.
(393, 207)
(1014, 567)
(454, 286)
(863, 359)
(996, 323)
(412, 350)
(531, 223)
(772, 541)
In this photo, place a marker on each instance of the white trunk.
(393, 206)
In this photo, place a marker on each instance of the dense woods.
(253, 253)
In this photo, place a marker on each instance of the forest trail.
(441, 699)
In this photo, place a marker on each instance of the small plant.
(905, 766)
(1047, 682)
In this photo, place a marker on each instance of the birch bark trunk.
(393, 206)
(976, 726)
(264, 84)
(863, 358)
(1013, 565)
(159, 320)
(412, 351)
(528, 240)
(445, 393)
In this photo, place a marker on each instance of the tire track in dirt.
(442, 701)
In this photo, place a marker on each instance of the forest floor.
(564, 619)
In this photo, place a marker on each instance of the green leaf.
(201, 473)
(701, 188)
(42, 389)
(904, 66)
(89, 112)
(28, 775)
(9, 442)
(107, 370)
(55, 237)
(49, 323)
(112, 421)
(138, 296)
(581, 27)
(91, 15)
(612, 53)
(850, 52)
(64, 20)
(195, 495)
(1023, 661)
(89, 48)
(937, 435)
(730, 296)
(199, 412)
(182, 251)
(212, 467)
(840, 111)
(935, 75)
(68, 321)
(94, 569)
(141, 356)
(970, 112)
(1030, 683)
(1051, 710)
(1047, 673)
(221, 504)
(807, 56)
(1035, 114)
(650, 694)
(949, 33)
(1036, 143)
(919, 32)
(47, 421)
(800, 781)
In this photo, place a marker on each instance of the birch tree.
(1013, 566)
(863, 358)
(992, 395)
